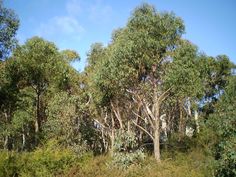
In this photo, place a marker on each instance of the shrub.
(49, 160)
(8, 163)
(126, 151)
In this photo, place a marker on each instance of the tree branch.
(163, 95)
(117, 114)
(143, 129)
(138, 116)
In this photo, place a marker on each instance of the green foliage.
(61, 112)
(226, 158)
(223, 123)
(8, 163)
(194, 164)
(126, 151)
(49, 160)
(38, 60)
(214, 73)
(70, 55)
(143, 44)
(9, 24)
(183, 75)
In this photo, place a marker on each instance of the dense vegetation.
(147, 104)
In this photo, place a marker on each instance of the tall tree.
(35, 71)
(42, 66)
(9, 24)
(215, 73)
(223, 124)
(136, 62)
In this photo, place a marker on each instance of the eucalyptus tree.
(215, 72)
(137, 61)
(37, 59)
(100, 92)
(223, 123)
(9, 24)
(43, 69)
(184, 76)
(8, 99)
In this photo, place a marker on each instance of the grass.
(192, 164)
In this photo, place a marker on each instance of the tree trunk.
(37, 121)
(156, 143)
(196, 121)
(6, 142)
(8, 145)
(128, 126)
(117, 114)
(23, 139)
(37, 124)
(156, 112)
(181, 121)
(112, 136)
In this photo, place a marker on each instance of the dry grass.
(194, 164)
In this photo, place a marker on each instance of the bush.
(49, 160)
(194, 164)
(126, 151)
(226, 159)
(8, 163)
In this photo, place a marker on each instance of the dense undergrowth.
(51, 160)
(193, 164)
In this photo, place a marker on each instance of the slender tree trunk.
(37, 121)
(37, 118)
(196, 121)
(6, 142)
(128, 126)
(112, 135)
(181, 121)
(6, 136)
(23, 139)
(156, 141)
(117, 114)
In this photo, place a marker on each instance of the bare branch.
(103, 126)
(149, 119)
(149, 111)
(143, 129)
(138, 116)
(88, 100)
(117, 114)
(163, 95)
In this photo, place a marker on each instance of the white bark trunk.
(6, 142)
(156, 143)
(23, 139)
(196, 121)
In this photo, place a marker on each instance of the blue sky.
(76, 24)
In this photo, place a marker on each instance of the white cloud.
(64, 25)
(99, 11)
(96, 10)
(73, 7)
(67, 28)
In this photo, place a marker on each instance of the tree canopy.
(9, 24)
